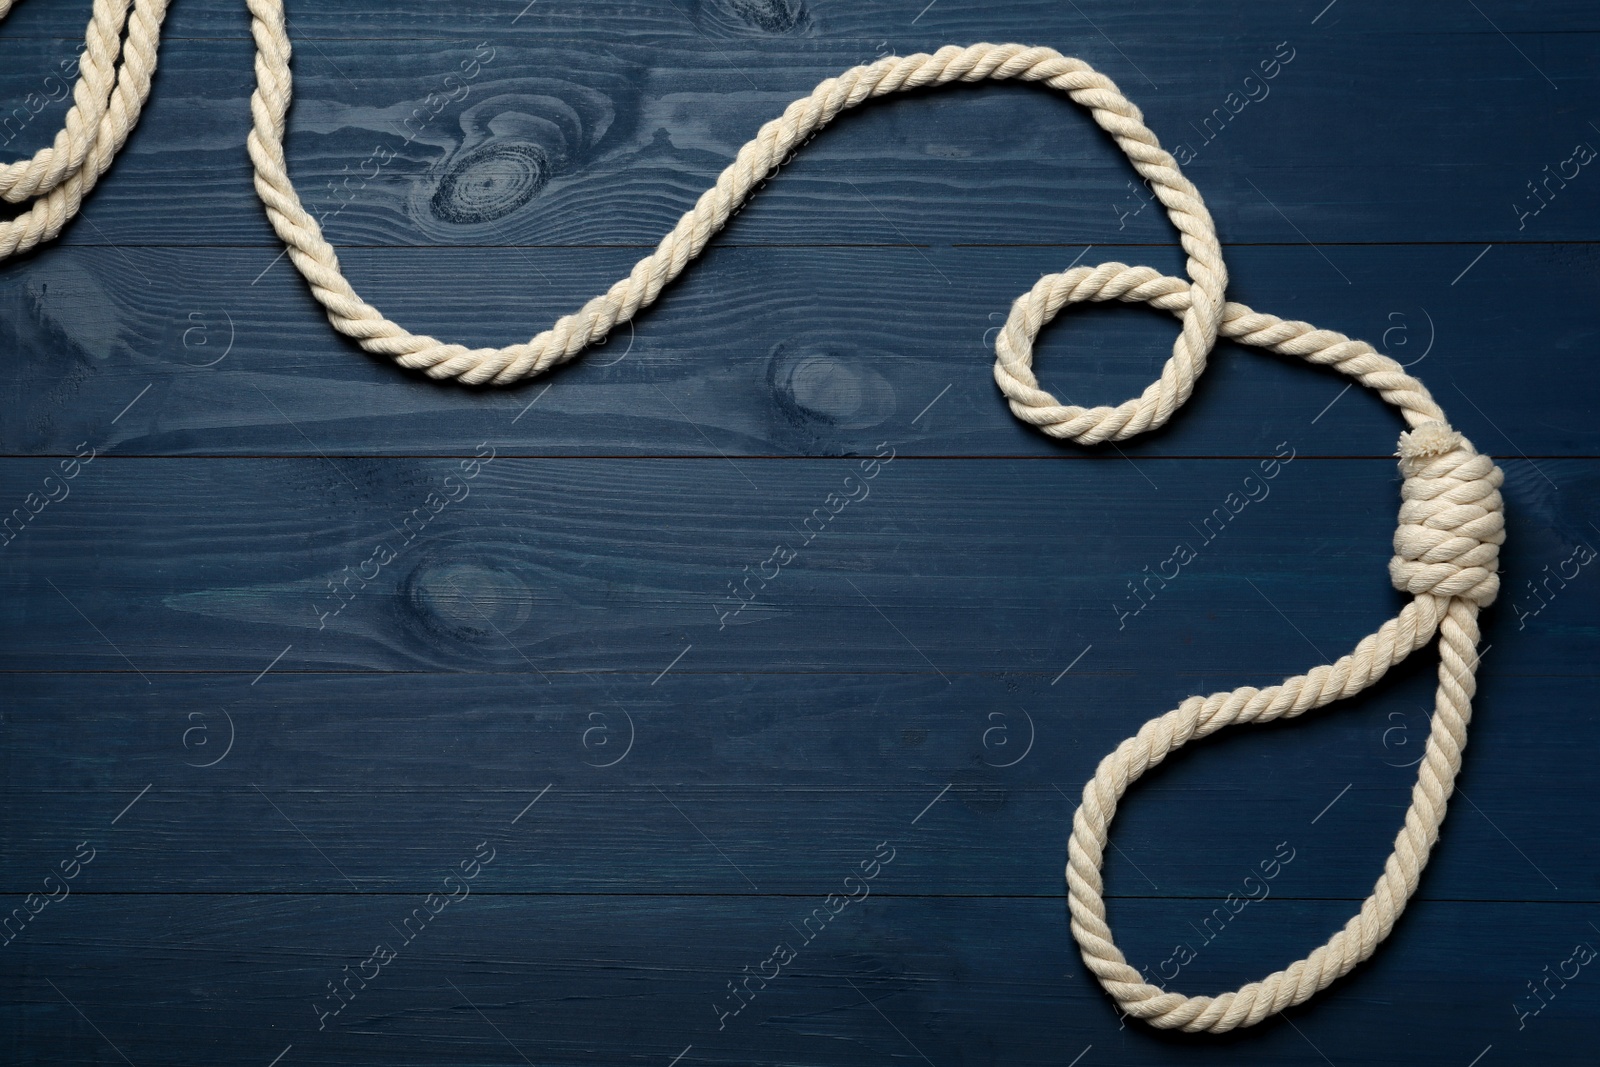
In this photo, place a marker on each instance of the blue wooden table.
(384, 721)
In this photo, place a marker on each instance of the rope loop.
(1013, 369)
(1447, 542)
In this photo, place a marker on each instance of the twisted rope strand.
(27, 178)
(107, 101)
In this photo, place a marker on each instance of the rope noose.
(1446, 548)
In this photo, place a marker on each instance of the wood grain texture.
(288, 649)
(555, 142)
(381, 773)
(791, 351)
(585, 980)
(616, 565)
(792, 20)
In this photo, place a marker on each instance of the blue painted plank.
(795, 20)
(617, 565)
(785, 776)
(505, 980)
(589, 140)
(818, 351)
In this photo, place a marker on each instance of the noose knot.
(1452, 522)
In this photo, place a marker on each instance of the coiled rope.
(1451, 521)
(113, 85)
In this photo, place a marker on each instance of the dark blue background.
(555, 633)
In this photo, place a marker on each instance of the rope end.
(1427, 442)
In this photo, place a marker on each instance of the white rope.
(1445, 548)
(1451, 523)
(113, 85)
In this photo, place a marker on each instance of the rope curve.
(113, 85)
(354, 317)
